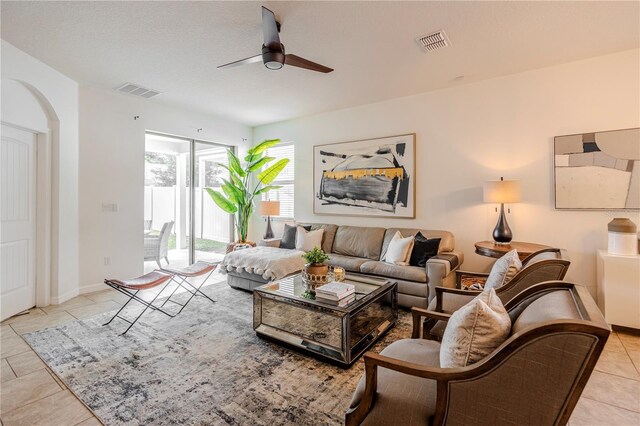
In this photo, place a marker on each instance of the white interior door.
(18, 216)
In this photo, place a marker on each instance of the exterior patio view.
(167, 201)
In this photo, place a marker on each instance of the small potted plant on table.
(315, 270)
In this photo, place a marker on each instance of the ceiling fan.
(273, 55)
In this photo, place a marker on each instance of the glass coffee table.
(286, 312)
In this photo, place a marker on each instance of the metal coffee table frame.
(339, 335)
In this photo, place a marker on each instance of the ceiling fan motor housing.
(273, 59)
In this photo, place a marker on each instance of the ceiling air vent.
(433, 41)
(134, 89)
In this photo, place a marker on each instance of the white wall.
(50, 104)
(112, 171)
(476, 132)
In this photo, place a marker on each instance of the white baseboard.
(93, 288)
(77, 292)
(64, 297)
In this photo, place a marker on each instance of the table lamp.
(268, 209)
(502, 191)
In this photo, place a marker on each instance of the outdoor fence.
(211, 222)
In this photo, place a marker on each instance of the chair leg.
(123, 306)
(138, 317)
(167, 259)
(158, 262)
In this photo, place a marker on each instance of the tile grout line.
(61, 381)
(626, 351)
(617, 375)
(20, 407)
(611, 405)
(9, 364)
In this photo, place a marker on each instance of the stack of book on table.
(339, 294)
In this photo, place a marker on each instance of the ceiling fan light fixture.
(273, 65)
(273, 59)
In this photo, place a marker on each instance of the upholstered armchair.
(544, 265)
(534, 378)
(157, 247)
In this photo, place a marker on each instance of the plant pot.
(231, 246)
(319, 269)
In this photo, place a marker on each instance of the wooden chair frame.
(592, 323)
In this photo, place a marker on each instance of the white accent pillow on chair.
(307, 240)
(504, 270)
(399, 250)
(474, 331)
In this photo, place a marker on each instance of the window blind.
(285, 179)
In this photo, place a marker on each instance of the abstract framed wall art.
(598, 170)
(371, 177)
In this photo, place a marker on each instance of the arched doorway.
(29, 132)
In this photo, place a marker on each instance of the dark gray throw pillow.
(289, 236)
(423, 249)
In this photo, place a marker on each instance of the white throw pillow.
(307, 240)
(504, 270)
(474, 331)
(399, 250)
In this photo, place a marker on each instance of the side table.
(491, 249)
(619, 289)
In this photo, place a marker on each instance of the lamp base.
(268, 233)
(499, 243)
(502, 233)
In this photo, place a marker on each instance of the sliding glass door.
(212, 226)
(182, 224)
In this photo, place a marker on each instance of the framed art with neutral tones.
(599, 170)
(370, 177)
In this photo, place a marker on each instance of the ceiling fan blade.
(251, 60)
(270, 29)
(299, 62)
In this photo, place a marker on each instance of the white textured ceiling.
(175, 47)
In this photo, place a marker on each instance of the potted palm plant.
(245, 183)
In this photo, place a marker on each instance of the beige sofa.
(359, 250)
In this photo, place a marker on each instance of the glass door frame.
(192, 187)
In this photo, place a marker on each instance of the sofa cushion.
(451, 302)
(552, 306)
(308, 240)
(402, 399)
(359, 241)
(474, 331)
(447, 241)
(399, 250)
(349, 263)
(503, 270)
(289, 236)
(423, 250)
(409, 273)
(328, 235)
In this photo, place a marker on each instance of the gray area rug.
(205, 366)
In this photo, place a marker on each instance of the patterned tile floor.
(31, 394)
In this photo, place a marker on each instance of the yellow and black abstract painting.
(371, 177)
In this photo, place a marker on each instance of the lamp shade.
(269, 208)
(502, 191)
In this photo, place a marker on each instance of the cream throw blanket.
(271, 263)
